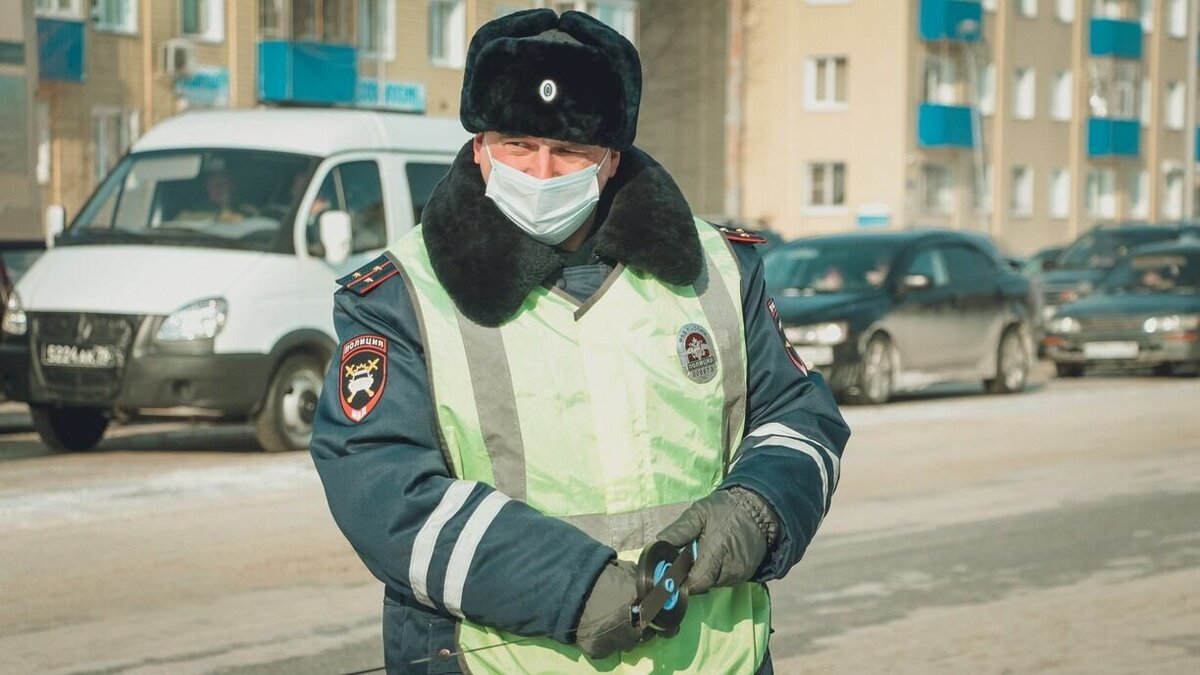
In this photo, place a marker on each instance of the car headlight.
(827, 333)
(1172, 323)
(15, 320)
(201, 320)
(1064, 324)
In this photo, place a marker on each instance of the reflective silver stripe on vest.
(630, 530)
(496, 403)
(422, 552)
(777, 429)
(719, 306)
(464, 550)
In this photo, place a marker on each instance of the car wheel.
(876, 373)
(286, 420)
(1012, 363)
(1069, 369)
(66, 428)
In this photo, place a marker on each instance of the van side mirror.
(915, 282)
(335, 236)
(56, 222)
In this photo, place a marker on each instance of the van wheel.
(286, 419)
(66, 428)
(1012, 364)
(876, 373)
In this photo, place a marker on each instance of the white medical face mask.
(550, 209)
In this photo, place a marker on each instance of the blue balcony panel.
(1114, 138)
(306, 72)
(944, 126)
(1115, 37)
(953, 20)
(61, 50)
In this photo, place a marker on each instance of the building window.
(1060, 193)
(377, 29)
(1108, 9)
(1139, 194)
(271, 19)
(1066, 10)
(987, 89)
(940, 79)
(113, 131)
(1114, 88)
(204, 19)
(1146, 13)
(989, 5)
(1172, 203)
(1028, 8)
(1177, 18)
(337, 21)
(61, 9)
(119, 16)
(1173, 106)
(620, 15)
(981, 192)
(1022, 191)
(447, 32)
(937, 189)
(1061, 95)
(826, 185)
(1025, 94)
(1099, 195)
(825, 82)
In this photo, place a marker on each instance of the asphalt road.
(1053, 531)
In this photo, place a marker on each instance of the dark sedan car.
(884, 312)
(1145, 313)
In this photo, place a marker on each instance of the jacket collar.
(489, 266)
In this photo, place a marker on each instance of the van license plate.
(1110, 350)
(96, 356)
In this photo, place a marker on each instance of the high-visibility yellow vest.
(613, 414)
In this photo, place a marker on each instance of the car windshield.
(800, 269)
(243, 199)
(1104, 249)
(1156, 273)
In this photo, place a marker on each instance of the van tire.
(285, 421)
(67, 428)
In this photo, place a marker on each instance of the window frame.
(1059, 193)
(944, 203)
(387, 37)
(1064, 11)
(828, 206)
(825, 66)
(128, 131)
(1023, 191)
(1104, 204)
(129, 27)
(1062, 104)
(457, 60)
(1019, 111)
(1139, 185)
(1177, 18)
(1027, 9)
(216, 22)
(1175, 105)
(74, 12)
(1172, 209)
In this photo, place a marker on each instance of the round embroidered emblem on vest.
(697, 353)
(548, 90)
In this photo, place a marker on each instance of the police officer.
(560, 366)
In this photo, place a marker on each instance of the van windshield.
(244, 199)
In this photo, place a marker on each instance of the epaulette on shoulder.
(368, 277)
(740, 235)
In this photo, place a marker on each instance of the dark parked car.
(15, 257)
(1042, 261)
(1145, 313)
(884, 312)
(1086, 261)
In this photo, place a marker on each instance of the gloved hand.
(735, 528)
(605, 626)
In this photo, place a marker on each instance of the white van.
(197, 282)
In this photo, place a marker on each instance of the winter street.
(1049, 532)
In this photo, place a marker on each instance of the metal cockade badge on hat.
(548, 90)
(697, 353)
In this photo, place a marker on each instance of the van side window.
(353, 187)
(422, 178)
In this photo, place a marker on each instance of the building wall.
(18, 68)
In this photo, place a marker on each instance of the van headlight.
(15, 320)
(1172, 323)
(200, 320)
(1064, 325)
(826, 333)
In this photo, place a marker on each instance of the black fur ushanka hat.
(570, 78)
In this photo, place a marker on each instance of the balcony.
(944, 126)
(61, 50)
(1115, 37)
(306, 72)
(1113, 138)
(951, 20)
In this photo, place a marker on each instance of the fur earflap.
(488, 265)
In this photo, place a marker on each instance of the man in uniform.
(559, 367)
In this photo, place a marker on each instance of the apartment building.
(18, 54)
(110, 69)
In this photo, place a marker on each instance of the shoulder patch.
(741, 235)
(368, 277)
(363, 375)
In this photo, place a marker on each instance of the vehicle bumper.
(1152, 350)
(839, 364)
(157, 384)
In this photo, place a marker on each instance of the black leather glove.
(735, 528)
(605, 626)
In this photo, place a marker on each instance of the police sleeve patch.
(787, 345)
(363, 374)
